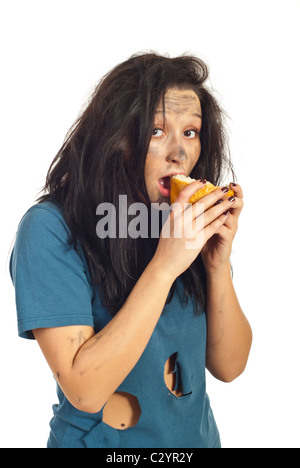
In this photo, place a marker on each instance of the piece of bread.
(178, 182)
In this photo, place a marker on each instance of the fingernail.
(218, 202)
(231, 199)
(203, 181)
(224, 189)
(234, 185)
(226, 212)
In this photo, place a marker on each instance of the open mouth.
(164, 185)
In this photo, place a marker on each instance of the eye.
(157, 133)
(191, 134)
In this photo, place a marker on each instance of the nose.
(176, 153)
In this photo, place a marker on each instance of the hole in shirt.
(171, 376)
(122, 411)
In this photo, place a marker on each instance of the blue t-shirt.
(53, 289)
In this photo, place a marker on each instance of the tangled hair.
(104, 154)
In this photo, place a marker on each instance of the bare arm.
(229, 334)
(89, 367)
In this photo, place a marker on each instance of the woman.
(128, 323)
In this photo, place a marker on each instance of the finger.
(216, 225)
(231, 225)
(214, 197)
(235, 211)
(238, 192)
(237, 206)
(213, 219)
(214, 212)
(198, 235)
(186, 193)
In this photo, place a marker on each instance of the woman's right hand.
(188, 228)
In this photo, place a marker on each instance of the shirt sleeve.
(52, 287)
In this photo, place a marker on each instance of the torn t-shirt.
(53, 289)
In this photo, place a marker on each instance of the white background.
(52, 54)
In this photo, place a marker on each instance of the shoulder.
(44, 251)
(42, 238)
(43, 218)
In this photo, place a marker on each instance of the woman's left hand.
(216, 252)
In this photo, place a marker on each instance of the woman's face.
(175, 147)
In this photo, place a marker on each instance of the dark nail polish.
(218, 202)
(231, 199)
(234, 185)
(224, 189)
(203, 181)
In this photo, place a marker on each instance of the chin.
(160, 199)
